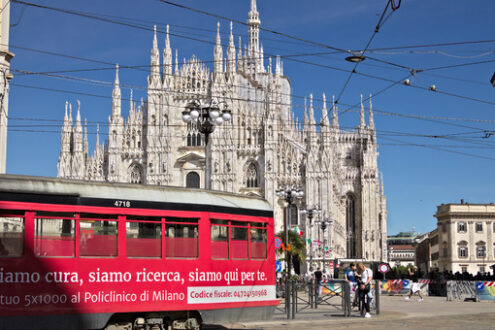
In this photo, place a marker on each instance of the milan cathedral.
(262, 149)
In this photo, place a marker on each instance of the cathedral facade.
(262, 149)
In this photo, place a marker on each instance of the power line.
(232, 138)
(381, 21)
(440, 149)
(377, 111)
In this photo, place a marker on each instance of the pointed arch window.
(135, 174)
(252, 176)
(351, 226)
(193, 136)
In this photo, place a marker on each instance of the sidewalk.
(394, 309)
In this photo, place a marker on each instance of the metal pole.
(310, 217)
(207, 162)
(294, 302)
(377, 297)
(287, 265)
(324, 243)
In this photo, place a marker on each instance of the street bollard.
(347, 299)
(310, 294)
(377, 297)
(317, 294)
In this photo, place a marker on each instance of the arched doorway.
(192, 180)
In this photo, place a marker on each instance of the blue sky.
(418, 176)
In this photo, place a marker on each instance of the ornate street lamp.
(310, 213)
(206, 117)
(323, 225)
(290, 196)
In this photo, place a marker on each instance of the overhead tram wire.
(327, 66)
(343, 128)
(380, 23)
(66, 11)
(199, 40)
(3, 8)
(377, 111)
(141, 68)
(439, 148)
(370, 76)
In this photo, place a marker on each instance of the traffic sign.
(278, 266)
(383, 268)
(278, 242)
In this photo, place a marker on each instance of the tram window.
(54, 237)
(181, 239)
(219, 239)
(98, 238)
(258, 242)
(11, 235)
(144, 238)
(239, 242)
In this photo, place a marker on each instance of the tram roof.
(124, 191)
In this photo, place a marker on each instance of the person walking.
(364, 288)
(415, 287)
(318, 278)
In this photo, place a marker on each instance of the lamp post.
(323, 225)
(290, 196)
(310, 213)
(206, 116)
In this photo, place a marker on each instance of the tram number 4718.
(122, 204)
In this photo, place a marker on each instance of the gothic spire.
(116, 94)
(262, 60)
(167, 57)
(78, 116)
(231, 67)
(311, 113)
(362, 124)
(98, 137)
(131, 104)
(155, 58)
(335, 115)
(176, 61)
(66, 118)
(218, 53)
(77, 131)
(306, 119)
(239, 57)
(324, 113)
(277, 66)
(372, 123)
(86, 148)
(254, 32)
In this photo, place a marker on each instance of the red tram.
(79, 255)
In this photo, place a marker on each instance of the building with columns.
(262, 149)
(466, 237)
(5, 77)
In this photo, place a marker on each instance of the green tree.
(297, 246)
